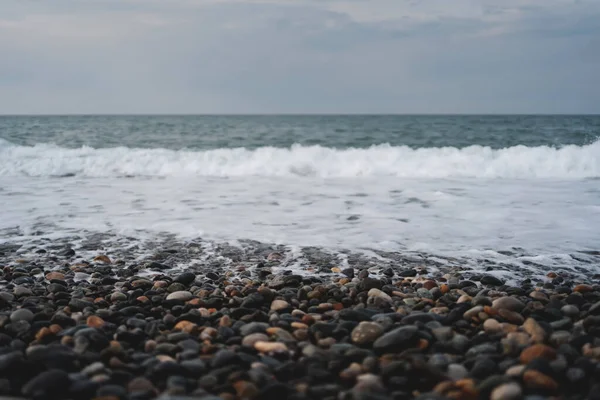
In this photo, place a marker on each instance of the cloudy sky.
(299, 56)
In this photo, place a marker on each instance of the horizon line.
(291, 114)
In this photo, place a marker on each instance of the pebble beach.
(91, 320)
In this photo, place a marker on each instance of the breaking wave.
(569, 162)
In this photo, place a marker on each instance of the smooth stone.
(80, 304)
(511, 316)
(180, 295)
(443, 333)
(537, 333)
(366, 332)
(118, 296)
(185, 278)
(537, 351)
(251, 339)
(491, 326)
(349, 272)
(279, 305)
(379, 294)
(269, 347)
(7, 297)
(22, 291)
(509, 303)
(491, 280)
(570, 311)
(397, 340)
(472, 312)
(539, 296)
(21, 314)
(536, 380)
(507, 391)
(457, 372)
(224, 358)
(560, 337)
(484, 368)
(253, 327)
(94, 369)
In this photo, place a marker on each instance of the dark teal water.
(212, 132)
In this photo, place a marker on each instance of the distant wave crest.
(569, 162)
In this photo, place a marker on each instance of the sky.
(299, 56)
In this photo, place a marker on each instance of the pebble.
(508, 303)
(253, 338)
(536, 380)
(366, 332)
(22, 314)
(492, 327)
(379, 294)
(279, 305)
(270, 347)
(537, 351)
(180, 295)
(397, 340)
(507, 391)
(537, 333)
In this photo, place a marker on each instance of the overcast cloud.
(299, 56)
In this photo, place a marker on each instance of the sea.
(517, 190)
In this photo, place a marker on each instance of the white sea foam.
(569, 162)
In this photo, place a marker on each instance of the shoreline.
(103, 321)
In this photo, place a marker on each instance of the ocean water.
(522, 191)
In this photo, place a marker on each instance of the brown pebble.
(298, 325)
(208, 333)
(551, 275)
(143, 299)
(225, 321)
(103, 259)
(301, 334)
(94, 321)
(268, 347)
(326, 342)
(536, 380)
(492, 327)
(149, 346)
(583, 288)
(516, 370)
(185, 326)
(252, 339)
(429, 284)
(246, 390)
(351, 372)
(511, 316)
(279, 305)
(55, 275)
(537, 351)
(539, 296)
(366, 332)
(521, 338)
(42, 333)
(444, 289)
(537, 333)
